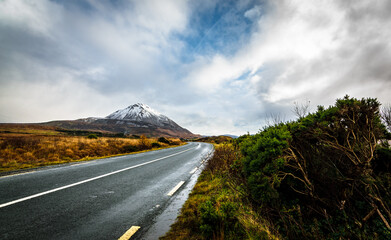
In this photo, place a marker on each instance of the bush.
(218, 219)
(92, 136)
(263, 161)
(144, 143)
(175, 142)
(156, 145)
(382, 161)
(223, 158)
(163, 140)
(315, 176)
(210, 220)
(129, 148)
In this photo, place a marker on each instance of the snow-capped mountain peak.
(137, 119)
(141, 113)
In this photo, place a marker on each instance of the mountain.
(143, 114)
(136, 119)
(230, 135)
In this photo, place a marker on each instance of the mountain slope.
(135, 119)
(144, 114)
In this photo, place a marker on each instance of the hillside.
(214, 139)
(137, 119)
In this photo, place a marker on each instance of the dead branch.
(384, 220)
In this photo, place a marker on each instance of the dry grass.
(19, 151)
(28, 129)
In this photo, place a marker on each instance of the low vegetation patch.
(216, 208)
(19, 151)
(325, 176)
(214, 139)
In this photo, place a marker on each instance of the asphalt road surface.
(100, 199)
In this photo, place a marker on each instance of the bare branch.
(301, 109)
(273, 119)
(386, 116)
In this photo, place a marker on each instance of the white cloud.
(213, 74)
(31, 102)
(253, 13)
(59, 60)
(108, 52)
(37, 16)
(317, 50)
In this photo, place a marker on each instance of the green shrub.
(92, 136)
(317, 174)
(216, 221)
(262, 161)
(210, 220)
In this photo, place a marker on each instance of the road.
(100, 199)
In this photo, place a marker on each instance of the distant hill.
(136, 119)
(230, 135)
(214, 139)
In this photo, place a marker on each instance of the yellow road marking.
(129, 233)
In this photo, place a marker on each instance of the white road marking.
(175, 188)
(78, 164)
(16, 174)
(194, 170)
(129, 233)
(87, 180)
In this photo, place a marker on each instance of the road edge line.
(194, 170)
(175, 188)
(128, 234)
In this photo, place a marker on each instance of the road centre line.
(128, 234)
(175, 188)
(87, 180)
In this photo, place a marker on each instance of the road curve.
(100, 199)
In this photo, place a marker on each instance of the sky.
(213, 66)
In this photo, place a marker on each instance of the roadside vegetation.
(217, 207)
(214, 139)
(325, 176)
(22, 148)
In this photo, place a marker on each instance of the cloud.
(118, 52)
(31, 16)
(254, 13)
(301, 50)
(212, 66)
(331, 50)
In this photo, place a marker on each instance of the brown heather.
(19, 151)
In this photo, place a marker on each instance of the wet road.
(100, 199)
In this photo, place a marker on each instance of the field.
(24, 147)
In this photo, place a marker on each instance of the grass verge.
(216, 208)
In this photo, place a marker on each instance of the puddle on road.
(163, 221)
